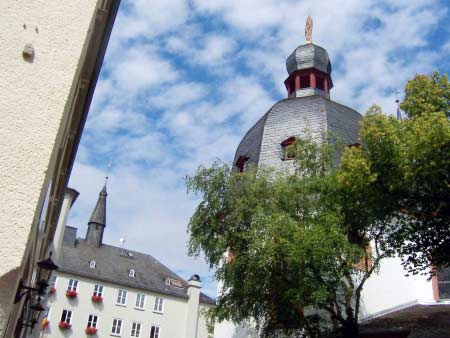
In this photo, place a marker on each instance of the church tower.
(97, 222)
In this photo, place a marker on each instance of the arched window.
(288, 147)
(92, 264)
(131, 273)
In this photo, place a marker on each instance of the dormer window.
(241, 163)
(131, 273)
(288, 147)
(174, 282)
(92, 264)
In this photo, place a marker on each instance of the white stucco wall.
(390, 289)
(171, 322)
(33, 97)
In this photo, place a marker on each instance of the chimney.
(193, 292)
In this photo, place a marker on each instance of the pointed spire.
(99, 214)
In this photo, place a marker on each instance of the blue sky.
(183, 80)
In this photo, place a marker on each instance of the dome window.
(132, 273)
(305, 81)
(288, 147)
(320, 83)
(92, 264)
(241, 163)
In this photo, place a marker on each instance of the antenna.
(107, 172)
(122, 244)
(397, 101)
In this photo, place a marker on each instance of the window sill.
(123, 305)
(115, 335)
(139, 308)
(158, 312)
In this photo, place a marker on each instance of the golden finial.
(308, 29)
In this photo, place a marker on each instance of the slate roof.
(308, 56)
(113, 265)
(293, 117)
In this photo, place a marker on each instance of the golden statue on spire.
(308, 29)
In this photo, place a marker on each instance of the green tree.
(293, 265)
(404, 169)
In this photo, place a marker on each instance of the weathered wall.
(33, 96)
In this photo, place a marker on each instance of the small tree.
(295, 263)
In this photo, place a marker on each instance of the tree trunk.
(350, 330)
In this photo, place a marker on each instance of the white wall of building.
(35, 100)
(390, 289)
(172, 321)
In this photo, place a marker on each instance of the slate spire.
(97, 222)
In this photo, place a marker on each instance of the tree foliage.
(403, 167)
(289, 247)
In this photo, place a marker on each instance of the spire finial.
(397, 101)
(308, 29)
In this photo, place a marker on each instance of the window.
(443, 283)
(304, 81)
(66, 316)
(320, 83)
(140, 300)
(288, 147)
(92, 321)
(174, 282)
(131, 273)
(158, 304)
(154, 331)
(136, 329)
(116, 326)
(122, 297)
(98, 290)
(92, 264)
(73, 285)
(241, 163)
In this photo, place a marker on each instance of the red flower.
(91, 330)
(52, 290)
(64, 325)
(97, 299)
(71, 294)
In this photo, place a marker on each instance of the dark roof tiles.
(113, 265)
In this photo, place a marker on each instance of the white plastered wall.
(33, 97)
(171, 321)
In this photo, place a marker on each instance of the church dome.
(308, 56)
(291, 118)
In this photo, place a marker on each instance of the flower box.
(71, 294)
(97, 299)
(91, 330)
(64, 325)
(52, 290)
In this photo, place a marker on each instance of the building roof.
(308, 56)
(293, 117)
(113, 265)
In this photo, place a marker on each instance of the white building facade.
(101, 290)
(50, 59)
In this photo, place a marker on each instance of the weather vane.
(308, 29)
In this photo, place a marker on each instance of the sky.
(182, 81)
